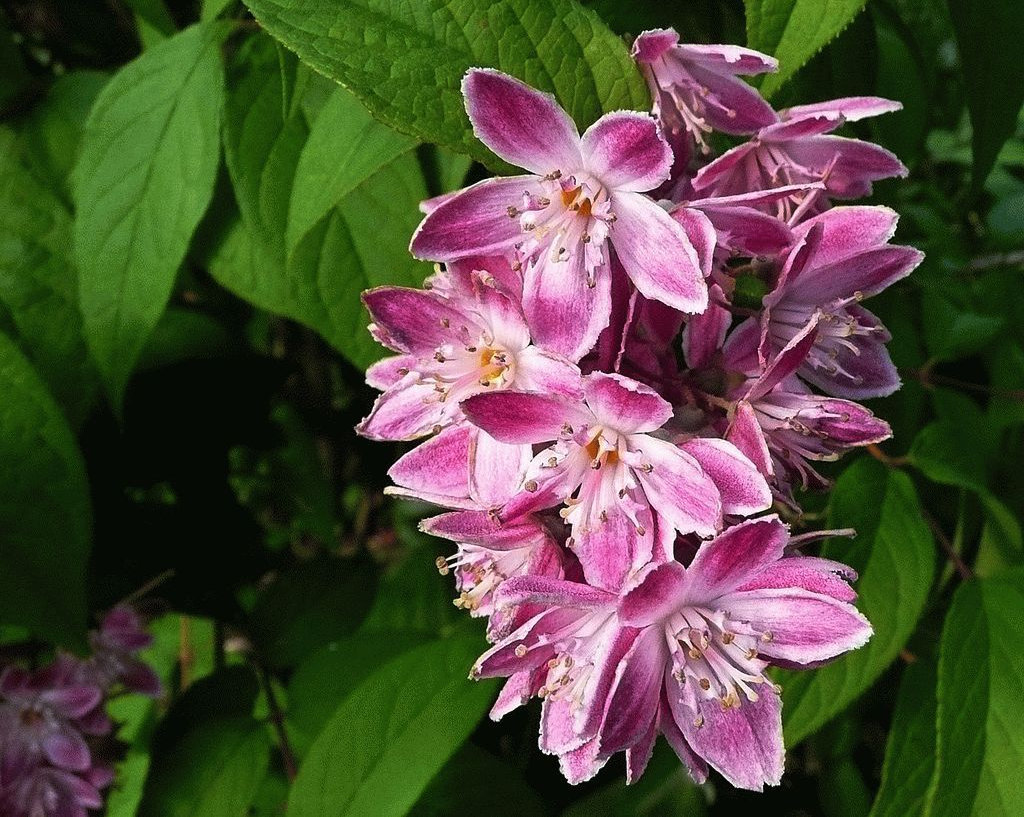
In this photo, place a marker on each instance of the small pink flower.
(800, 149)
(696, 90)
(614, 476)
(683, 652)
(582, 199)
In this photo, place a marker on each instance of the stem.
(291, 767)
(881, 456)
(940, 536)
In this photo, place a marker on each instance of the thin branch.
(927, 378)
(291, 767)
(944, 542)
(996, 260)
(881, 456)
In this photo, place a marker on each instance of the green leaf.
(989, 33)
(405, 58)
(326, 677)
(346, 146)
(390, 737)
(910, 750)
(153, 21)
(143, 181)
(894, 555)
(309, 606)
(45, 516)
(953, 331)
(212, 9)
(980, 748)
(793, 31)
(39, 285)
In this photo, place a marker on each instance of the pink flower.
(782, 427)
(683, 651)
(615, 478)
(115, 644)
(839, 258)
(582, 199)
(44, 791)
(696, 90)
(799, 149)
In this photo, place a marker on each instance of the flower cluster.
(50, 717)
(608, 413)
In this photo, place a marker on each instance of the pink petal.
(742, 488)
(656, 254)
(610, 551)
(734, 106)
(483, 529)
(667, 725)
(565, 311)
(740, 348)
(704, 334)
(546, 372)
(385, 373)
(805, 627)
(746, 434)
(849, 230)
(868, 272)
(552, 592)
(785, 362)
(870, 370)
(496, 469)
(701, 234)
(438, 468)
(558, 733)
(413, 321)
(524, 126)
(653, 44)
(67, 750)
(580, 765)
(744, 744)
(473, 222)
(734, 557)
(626, 151)
(625, 404)
(659, 593)
(407, 410)
(851, 108)
(634, 698)
(639, 754)
(821, 576)
(732, 58)
(522, 417)
(677, 488)
(714, 173)
(853, 163)
(518, 689)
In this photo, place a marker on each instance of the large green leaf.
(39, 285)
(45, 517)
(346, 146)
(980, 749)
(910, 751)
(143, 180)
(392, 734)
(793, 31)
(989, 33)
(894, 555)
(405, 58)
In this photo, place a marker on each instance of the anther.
(521, 651)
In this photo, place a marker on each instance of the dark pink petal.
(740, 348)
(67, 749)
(639, 754)
(723, 167)
(734, 106)
(659, 593)
(624, 404)
(507, 657)
(73, 701)
(797, 130)
(484, 529)
(870, 371)
(742, 488)
(656, 254)
(611, 550)
(743, 743)
(867, 273)
(414, 321)
(734, 59)
(849, 230)
(473, 222)
(407, 410)
(518, 689)
(522, 417)
(385, 373)
(746, 434)
(677, 488)
(694, 763)
(633, 702)
(850, 163)
(817, 575)
(852, 424)
(626, 151)
(611, 651)
(734, 557)
(565, 310)
(653, 44)
(701, 233)
(851, 108)
(437, 468)
(524, 126)
(704, 334)
(805, 627)
(749, 230)
(786, 362)
(496, 469)
(546, 372)
(552, 592)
